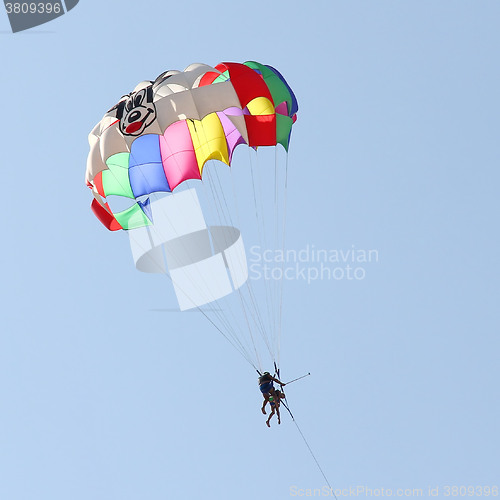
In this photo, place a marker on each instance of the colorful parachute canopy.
(163, 132)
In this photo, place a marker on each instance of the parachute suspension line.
(215, 210)
(275, 290)
(238, 338)
(216, 202)
(221, 317)
(254, 314)
(277, 245)
(262, 329)
(247, 358)
(267, 283)
(262, 238)
(280, 321)
(287, 406)
(256, 212)
(272, 285)
(209, 305)
(258, 316)
(235, 341)
(219, 210)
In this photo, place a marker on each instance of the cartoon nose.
(134, 116)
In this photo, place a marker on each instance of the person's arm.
(278, 382)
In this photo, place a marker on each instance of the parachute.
(156, 171)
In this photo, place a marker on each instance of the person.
(267, 388)
(275, 406)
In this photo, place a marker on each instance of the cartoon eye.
(129, 105)
(134, 116)
(139, 98)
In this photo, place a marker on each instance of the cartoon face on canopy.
(136, 112)
(164, 132)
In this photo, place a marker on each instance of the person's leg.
(266, 399)
(270, 417)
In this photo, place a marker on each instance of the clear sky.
(107, 394)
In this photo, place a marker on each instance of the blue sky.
(106, 395)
